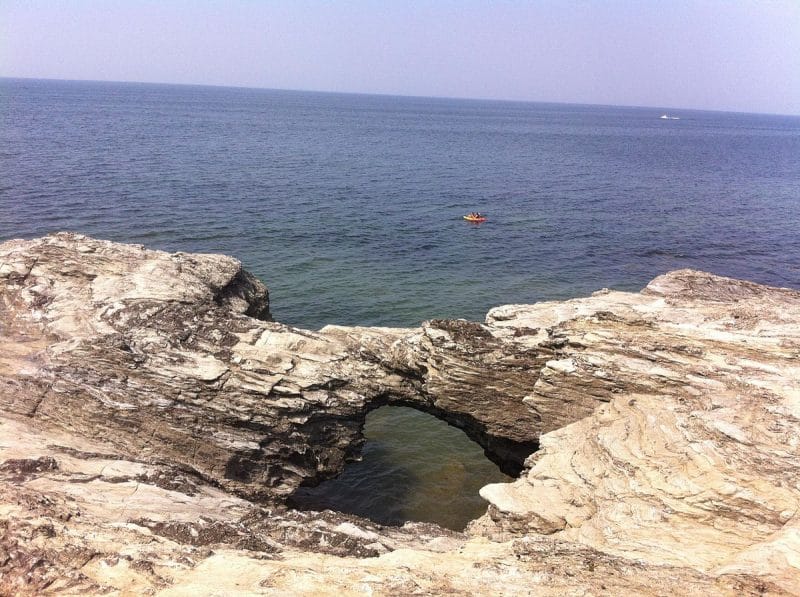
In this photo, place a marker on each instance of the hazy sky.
(741, 55)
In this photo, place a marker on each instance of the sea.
(349, 207)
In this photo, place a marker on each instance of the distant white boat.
(668, 117)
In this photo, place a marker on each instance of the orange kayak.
(475, 218)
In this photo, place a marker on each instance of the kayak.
(475, 218)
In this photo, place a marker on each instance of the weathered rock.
(152, 423)
(458, 371)
(155, 354)
(97, 523)
(696, 439)
(83, 519)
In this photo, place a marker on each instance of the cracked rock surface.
(153, 421)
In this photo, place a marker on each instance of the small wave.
(662, 253)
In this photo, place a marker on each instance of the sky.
(733, 55)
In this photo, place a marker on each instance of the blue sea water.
(349, 206)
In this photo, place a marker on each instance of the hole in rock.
(414, 467)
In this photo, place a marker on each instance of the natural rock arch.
(138, 376)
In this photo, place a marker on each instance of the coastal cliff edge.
(154, 421)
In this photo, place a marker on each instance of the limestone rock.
(78, 520)
(156, 354)
(693, 456)
(153, 421)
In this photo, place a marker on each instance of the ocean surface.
(349, 206)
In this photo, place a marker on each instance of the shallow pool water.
(414, 467)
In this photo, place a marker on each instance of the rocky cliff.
(153, 421)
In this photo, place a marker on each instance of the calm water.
(349, 207)
(415, 467)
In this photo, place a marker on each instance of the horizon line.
(400, 95)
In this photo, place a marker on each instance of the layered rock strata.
(153, 421)
(158, 354)
(696, 440)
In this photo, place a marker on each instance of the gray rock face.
(156, 354)
(149, 411)
(460, 372)
(141, 349)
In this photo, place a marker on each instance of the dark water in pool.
(396, 461)
(349, 206)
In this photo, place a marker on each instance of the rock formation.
(153, 422)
